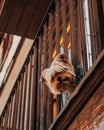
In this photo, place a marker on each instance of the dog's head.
(60, 76)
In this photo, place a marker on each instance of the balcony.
(70, 27)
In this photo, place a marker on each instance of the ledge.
(81, 95)
(22, 17)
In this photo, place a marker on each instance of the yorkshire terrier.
(60, 77)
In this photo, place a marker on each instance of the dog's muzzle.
(64, 85)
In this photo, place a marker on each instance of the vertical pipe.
(23, 112)
(100, 5)
(83, 41)
(15, 107)
(94, 29)
(73, 28)
(44, 98)
(57, 27)
(6, 117)
(18, 108)
(10, 112)
(39, 85)
(28, 121)
(20, 101)
(33, 96)
(82, 54)
(65, 40)
(49, 96)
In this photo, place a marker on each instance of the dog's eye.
(52, 78)
(59, 79)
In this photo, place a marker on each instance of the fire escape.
(46, 28)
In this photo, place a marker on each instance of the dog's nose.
(59, 79)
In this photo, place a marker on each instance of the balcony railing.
(31, 105)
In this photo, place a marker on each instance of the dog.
(60, 77)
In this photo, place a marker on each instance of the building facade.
(73, 27)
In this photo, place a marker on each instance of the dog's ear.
(42, 79)
(63, 58)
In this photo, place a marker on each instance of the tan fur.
(60, 76)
